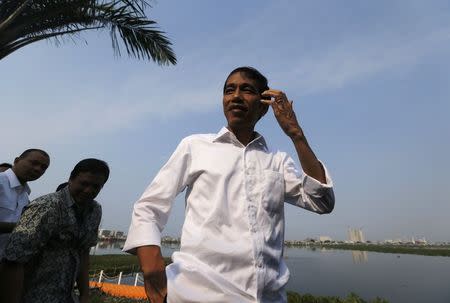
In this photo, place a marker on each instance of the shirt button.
(260, 265)
(253, 230)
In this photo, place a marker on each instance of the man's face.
(31, 167)
(85, 186)
(242, 102)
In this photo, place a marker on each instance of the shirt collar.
(225, 135)
(14, 181)
(67, 197)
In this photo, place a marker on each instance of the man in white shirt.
(14, 190)
(232, 239)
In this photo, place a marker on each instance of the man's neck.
(22, 182)
(244, 135)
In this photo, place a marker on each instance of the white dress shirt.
(233, 233)
(13, 198)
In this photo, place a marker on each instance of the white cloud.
(358, 59)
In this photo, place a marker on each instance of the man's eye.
(249, 89)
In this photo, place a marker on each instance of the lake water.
(395, 277)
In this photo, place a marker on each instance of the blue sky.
(369, 80)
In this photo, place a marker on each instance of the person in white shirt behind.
(14, 190)
(232, 239)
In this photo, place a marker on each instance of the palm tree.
(26, 21)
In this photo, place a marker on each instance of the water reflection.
(108, 247)
(359, 256)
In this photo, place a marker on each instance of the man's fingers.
(272, 91)
(156, 285)
(157, 295)
(266, 101)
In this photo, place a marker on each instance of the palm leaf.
(27, 21)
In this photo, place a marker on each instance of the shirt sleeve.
(151, 211)
(35, 227)
(306, 192)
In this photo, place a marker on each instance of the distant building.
(169, 239)
(324, 239)
(104, 233)
(119, 234)
(107, 234)
(355, 235)
(421, 241)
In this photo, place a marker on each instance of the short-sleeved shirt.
(49, 240)
(13, 198)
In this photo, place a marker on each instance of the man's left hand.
(284, 113)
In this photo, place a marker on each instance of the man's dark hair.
(28, 151)
(7, 165)
(251, 73)
(94, 166)
(61, 186)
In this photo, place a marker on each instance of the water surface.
(395, 277)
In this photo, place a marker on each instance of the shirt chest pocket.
(272, 191)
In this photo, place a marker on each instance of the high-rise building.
(355, 235)
(324, 239)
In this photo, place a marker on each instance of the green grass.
(392, 249)
(294, 297)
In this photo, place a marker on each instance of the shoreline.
(434, 251)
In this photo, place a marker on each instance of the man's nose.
(237, 95)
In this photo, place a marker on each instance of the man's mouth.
(237, 108)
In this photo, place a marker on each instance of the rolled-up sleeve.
(306, 192)
(151, 211)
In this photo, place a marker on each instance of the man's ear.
(16, 160)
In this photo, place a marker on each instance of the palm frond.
(25, 22)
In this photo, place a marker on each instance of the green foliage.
(27, 21)
(294, 297)
(394, 249)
